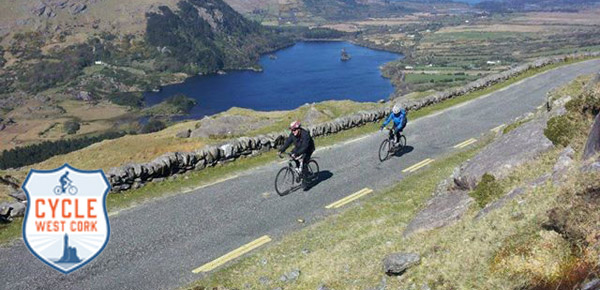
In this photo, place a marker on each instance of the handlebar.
(288, 154)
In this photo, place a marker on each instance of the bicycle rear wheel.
(401, 142)
(284, 181)
(313, 168)
(384, 150)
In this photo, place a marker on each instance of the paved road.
(157, 245)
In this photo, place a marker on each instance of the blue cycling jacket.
(399, 119)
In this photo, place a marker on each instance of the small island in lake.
(345, 56)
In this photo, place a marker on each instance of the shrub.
(153, 125)
(181, 103)
(131, 99)
(71, 127)
(560, 130)
(487, 190)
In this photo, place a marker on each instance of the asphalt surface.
(156, 245)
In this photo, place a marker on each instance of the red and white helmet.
(295, 125)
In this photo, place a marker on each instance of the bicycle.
(290, 177)
(390, 146)
(71, 189)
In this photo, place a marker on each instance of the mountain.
(49, 43)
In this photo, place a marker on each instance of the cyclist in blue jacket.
(398, 115)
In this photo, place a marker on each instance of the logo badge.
(66, 224)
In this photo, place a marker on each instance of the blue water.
(304, 73)
(468, 1)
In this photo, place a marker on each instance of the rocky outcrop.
(592, 146)
(517, 147)
(440, 211)
(398, 263)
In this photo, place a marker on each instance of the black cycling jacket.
(302, 144)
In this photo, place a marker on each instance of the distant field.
(581, 18)
(499, 28)
(475, 35)
(434, 78)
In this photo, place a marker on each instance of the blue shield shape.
(66, 223)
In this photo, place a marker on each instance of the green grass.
(419, 78)
(514, 125)
(11, 231)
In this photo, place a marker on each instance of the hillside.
(62, 57)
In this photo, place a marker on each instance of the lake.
(304, 73)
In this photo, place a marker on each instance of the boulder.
(84, 96)
(513, 149)
(18, 194)
(290, 276)
(397, 263)
(78, 8)
(500, 202)
(39, 9)
(228, 151)
(183, 134)
(440, 211)
(592, 285)
(18, 209)
(592, 146)
(562, 165)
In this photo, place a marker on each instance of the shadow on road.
(405, 150)
(320, 177)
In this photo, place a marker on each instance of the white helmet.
(396, 109)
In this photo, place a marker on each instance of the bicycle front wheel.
(384, 150)
(284, 181)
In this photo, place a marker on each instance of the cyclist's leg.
(397, 135)
(305, 159)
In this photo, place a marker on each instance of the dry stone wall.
(136, 175)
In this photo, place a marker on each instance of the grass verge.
(344, 251)
(328, 252)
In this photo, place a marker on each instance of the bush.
(153, 125)
(71, 127)
(560, 130)
(181, 103)
(130, 99)
(487, 190)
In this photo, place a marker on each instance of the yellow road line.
(497, 129)
(418, 165)
(422, 165)
(232, 255)
(350, 198)
(465, 143)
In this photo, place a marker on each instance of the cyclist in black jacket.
(304, 146)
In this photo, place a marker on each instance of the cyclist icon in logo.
(65, 185)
